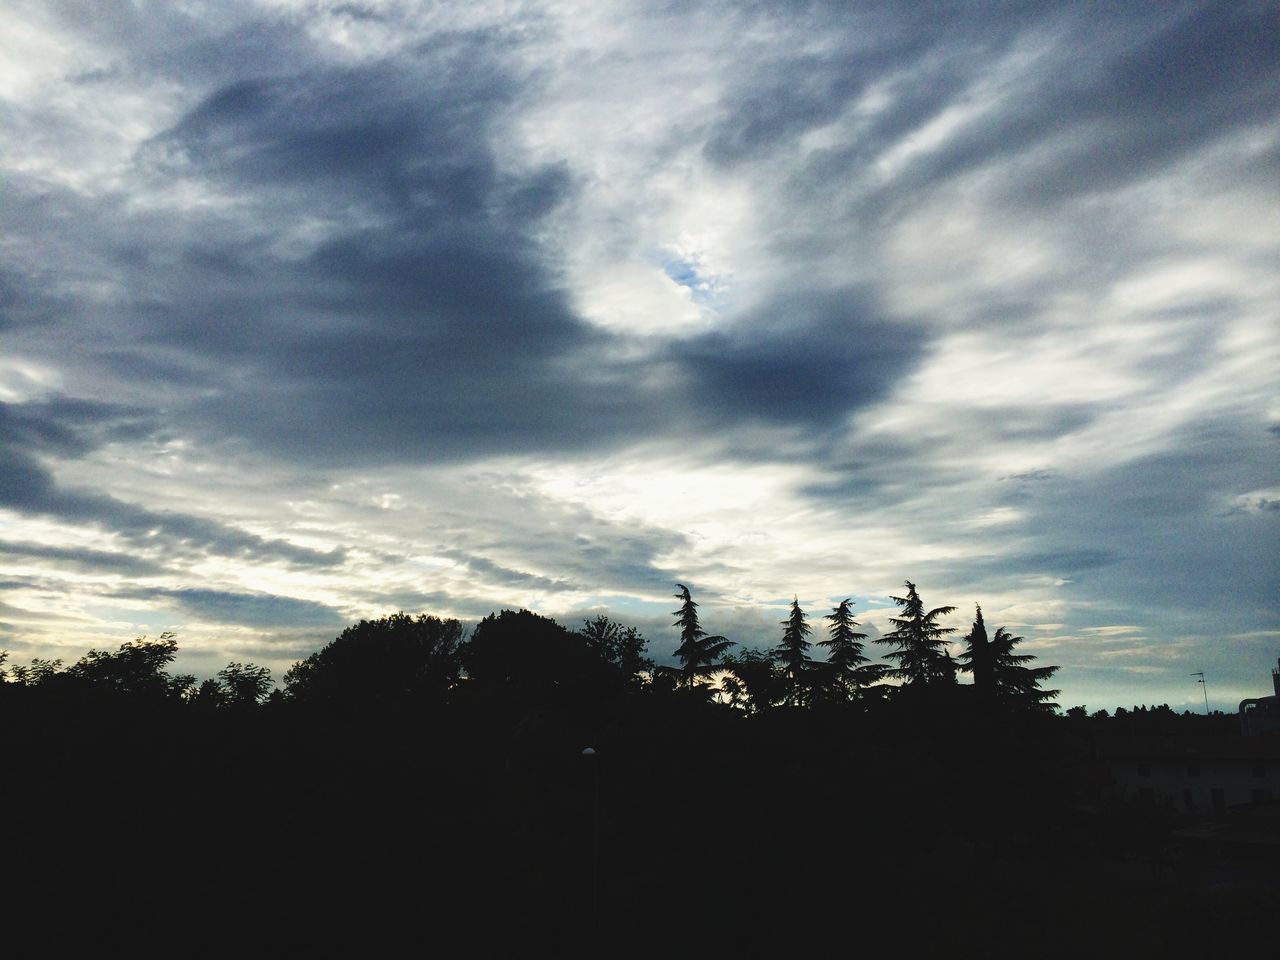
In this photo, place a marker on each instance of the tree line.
(414, 775)
(399, 659)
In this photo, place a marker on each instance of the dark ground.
(692, 831)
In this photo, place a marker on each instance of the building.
(1262, 715)
(1196, 775)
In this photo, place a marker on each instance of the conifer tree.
(921, 644)
(976, 658)
(1001, 676)
(697, 652)
(792, 653)
(848, 670)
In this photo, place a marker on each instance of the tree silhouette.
(381, 663)
(792, 653)
(136, 670)
(976, 657)
(697, 652)
(36, 673)
(921, 645)
(208, 695)
(244, 684)
(847, 669)
(753, 680)
(527, 654)
(1000, 676)
(619, 645)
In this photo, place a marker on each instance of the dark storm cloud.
(432, 326)
(248, 609)
(431, 329)
(369, 132)
(64, 426)
(809, 360)
(426, 323)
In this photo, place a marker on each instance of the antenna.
(1200, 674)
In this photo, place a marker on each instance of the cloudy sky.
(316, 311)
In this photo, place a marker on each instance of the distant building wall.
(1199, 787)
(1196, 775)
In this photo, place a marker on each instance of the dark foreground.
(691, 831)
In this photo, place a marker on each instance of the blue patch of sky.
(701, 288)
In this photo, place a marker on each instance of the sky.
(313, 312)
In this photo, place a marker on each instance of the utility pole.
(1205, 686)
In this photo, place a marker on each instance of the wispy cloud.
(374, 306)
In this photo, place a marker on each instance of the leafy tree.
(381, 663)
(697, 652)
(37, 672)
(753, 680)
(920, 656)
(847, 669)
(732, 687)
(792, 653)
(136, 670)
(208, 695)
(1000, 676)
(526, 653)
(619, 645)
(244, 684)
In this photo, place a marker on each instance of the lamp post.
(1205, 686)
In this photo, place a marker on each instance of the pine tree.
(792, 654)
(921, 644)
(976, 658)
(848, 670)
(1000, 676)
(697, 652)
